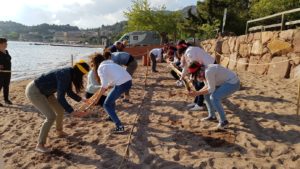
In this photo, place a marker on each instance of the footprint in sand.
(8, 154)
(176, 157)
(148, 159)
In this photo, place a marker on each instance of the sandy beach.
(264, 130)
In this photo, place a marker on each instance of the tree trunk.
(164, 38)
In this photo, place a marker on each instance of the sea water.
(29, 60)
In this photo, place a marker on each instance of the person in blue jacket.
(41, 92)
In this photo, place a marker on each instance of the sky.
(81, 13)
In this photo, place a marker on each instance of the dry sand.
(264, 130)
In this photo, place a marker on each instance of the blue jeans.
(213, 101)
(110, 101)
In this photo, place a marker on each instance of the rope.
(17, 71)
(37, 70)
(136, 117)
(261, 64)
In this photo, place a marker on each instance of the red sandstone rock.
(279, 69)
(296, 42)
(225, 60)
(253, 60)
(257, 48)
(232, 62)
(266, 37)
(242, 64)
(287, 35)
(244, 50)
(276, 46)
(225, 47)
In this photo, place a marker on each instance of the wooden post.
(146, 59)
(72, 60)
(282, 22)
(298, 102)
(147, 69)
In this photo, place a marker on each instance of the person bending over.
(189, 54)
(93, 82)
(156, 55)
(41, 93)
(123, 59)
(114, 75)
(220, 83)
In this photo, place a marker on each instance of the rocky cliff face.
(276, 54)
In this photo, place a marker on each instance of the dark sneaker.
(223, 125)
(119, 129)
(108, 119)
(8, 102)
(1, 105)
(126, 101)
(209, 119)
(154, 71)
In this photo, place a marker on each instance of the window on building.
(135, 37)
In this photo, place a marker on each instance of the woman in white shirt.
(220, 82)
(156, 55)
(93, 83)
(113, 75)
(189, 54)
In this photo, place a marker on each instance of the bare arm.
(203, 91)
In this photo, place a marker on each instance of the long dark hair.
(97, 59)
(107, 55)
(197, 70)
(77, 76)
(182, 46)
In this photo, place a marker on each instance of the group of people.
(105, 71)
(212, 82)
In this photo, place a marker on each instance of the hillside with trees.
(204, 20)
(201, 21)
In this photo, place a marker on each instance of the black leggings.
(153, 59)
(101, 100)
(4, 83)
(199, 100)
(173, 73)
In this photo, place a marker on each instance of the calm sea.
(31, 60)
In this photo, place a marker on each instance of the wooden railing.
(282, 25)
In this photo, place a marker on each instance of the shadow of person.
(262, 133)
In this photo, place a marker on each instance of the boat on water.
(37, 43)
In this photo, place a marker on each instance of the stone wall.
(254, 52)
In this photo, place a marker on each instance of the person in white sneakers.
(220, 82)
(189, 54)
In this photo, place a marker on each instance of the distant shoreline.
(68, 45)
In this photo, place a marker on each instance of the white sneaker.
(197, 108)
(191, 105)
(179, 83)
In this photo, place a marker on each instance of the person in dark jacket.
(41, 93)
(116, 47)
(5, 68)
